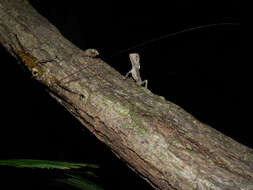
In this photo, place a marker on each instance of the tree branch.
(165, 145)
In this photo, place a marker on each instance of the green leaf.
(80, 183)
(27, 163)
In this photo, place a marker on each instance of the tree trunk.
(165, 145)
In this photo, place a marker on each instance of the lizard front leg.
(127, 74)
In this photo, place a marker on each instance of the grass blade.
(28, 163)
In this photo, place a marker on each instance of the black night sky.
(199, 70)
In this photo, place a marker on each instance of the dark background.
(198, 70)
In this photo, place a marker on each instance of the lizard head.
(135, 60)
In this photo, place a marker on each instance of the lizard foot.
(91, 53)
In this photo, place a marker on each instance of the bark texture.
(165, 145)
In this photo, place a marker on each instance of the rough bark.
(165, 145)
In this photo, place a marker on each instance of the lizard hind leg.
(146, 83)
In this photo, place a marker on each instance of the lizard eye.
(35, 72)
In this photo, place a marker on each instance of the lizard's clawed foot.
(91, 52)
